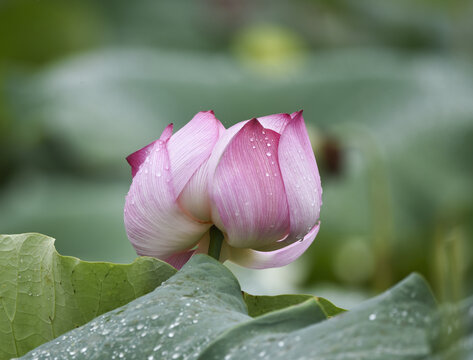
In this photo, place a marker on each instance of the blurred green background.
(387, 93)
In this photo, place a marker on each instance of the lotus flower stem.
(215, 245)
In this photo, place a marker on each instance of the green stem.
(215, 244)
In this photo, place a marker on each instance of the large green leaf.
(391, 326)
(199, 313)
(44, 294)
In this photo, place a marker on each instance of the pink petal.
(138, 157)
(191, 146)
(264, 260)
(247, 189)
(275, 122)
(301, 178)
(154, 222)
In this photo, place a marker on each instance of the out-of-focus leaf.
(404, 125)
(259, 305)
(67, 208)
(44, 294)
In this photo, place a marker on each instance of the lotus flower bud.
(256, 181)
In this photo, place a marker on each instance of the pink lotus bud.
(257, 182)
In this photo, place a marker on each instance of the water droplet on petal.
(268, 154)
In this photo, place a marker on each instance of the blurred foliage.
(386, 88)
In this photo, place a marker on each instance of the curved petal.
(247, 190)
(154, 222)
(275, 122)
(263, 260)
(191, 146)
(301, 178)
(195, 196)
(138, 157)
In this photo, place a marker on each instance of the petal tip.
(167, 132)
(297, 114)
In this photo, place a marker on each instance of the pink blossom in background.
(257, 181)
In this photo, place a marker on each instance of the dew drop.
(171, 334)
(154, 317)
(268, 154)
(268, 144)
(372, 317)
(267, 174)
(254, 146)
(175, 356)
(252, 139)
(281, 343)
(158, 174)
